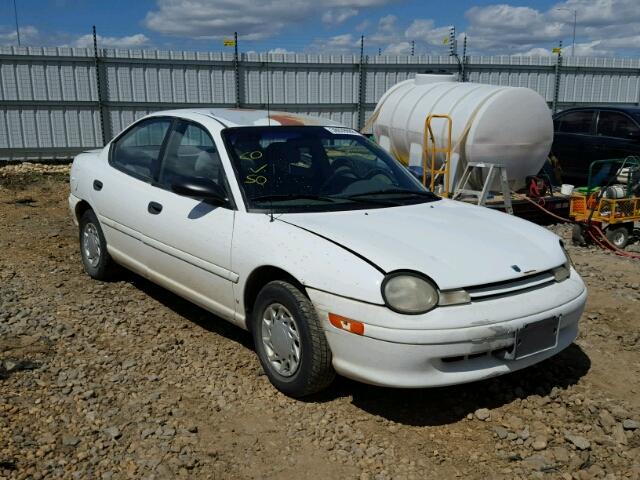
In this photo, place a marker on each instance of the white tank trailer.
(510, 126)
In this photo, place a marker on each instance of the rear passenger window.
(575, 122)
(613, 124)
(190, 153)
(136, 151)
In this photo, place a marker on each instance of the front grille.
(510, 287)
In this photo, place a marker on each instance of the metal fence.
(55, 102)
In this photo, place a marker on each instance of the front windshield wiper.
(395, 191)
(292, 196)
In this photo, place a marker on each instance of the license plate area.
(536, 337)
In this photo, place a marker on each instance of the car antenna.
(273, 169)
(266, 65)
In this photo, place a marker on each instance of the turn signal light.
(344, 323)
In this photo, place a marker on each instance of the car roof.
(619, 108)
(241, 117)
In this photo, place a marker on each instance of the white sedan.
(325, 248)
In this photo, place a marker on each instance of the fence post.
(101, 85)
(556, 79)
(236, 69)
(362, 85)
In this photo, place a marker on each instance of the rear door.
(190, 239)
(121, 191)
(573, 144)
(618, 135)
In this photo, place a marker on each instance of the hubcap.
(618, 239)
(281, 339)
(91, 244)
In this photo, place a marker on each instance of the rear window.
(575, 122)
(135, 152)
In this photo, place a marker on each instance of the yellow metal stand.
(431, 151)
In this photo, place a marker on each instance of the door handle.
(97, 185)
(154, 208)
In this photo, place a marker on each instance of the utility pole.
(413, 47)
(361, 85)
(236, 67)
(101, 83)
(556, 89)
(453, 43)
(464, 58)
(453, 52)
(15, 13)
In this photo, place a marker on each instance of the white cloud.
(363, 25)
(338, 16)
(337, 44)
(28, 35)
(279, 50)
(603, 27)
(400, 48)
(536, 52)
(396, 39)
(597, 12)
(132, 41)
(506, 28)
(424, 30)
(252, 19)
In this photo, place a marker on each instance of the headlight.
(563, 272)
(406, 292)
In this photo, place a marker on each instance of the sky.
(533, 27)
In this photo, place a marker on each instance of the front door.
(617, 136)
(190, 239)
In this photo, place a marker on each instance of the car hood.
(455, 244)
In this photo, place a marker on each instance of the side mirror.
(200, 188)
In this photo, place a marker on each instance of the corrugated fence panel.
(50, 106)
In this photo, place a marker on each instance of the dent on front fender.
(311, 260)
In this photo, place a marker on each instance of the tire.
(578, 236)
(291, 315)
(618, 236)
(96, 260)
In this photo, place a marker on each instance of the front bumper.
(424, 354)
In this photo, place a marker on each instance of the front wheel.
(290, 341)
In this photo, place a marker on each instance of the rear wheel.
(618, 236)
(290, 341)
(97, 262)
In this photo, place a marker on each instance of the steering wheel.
(340, 180)
(341, 162)
(376, 171)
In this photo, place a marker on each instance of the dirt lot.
(125, 380)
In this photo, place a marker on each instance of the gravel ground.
(125, 380)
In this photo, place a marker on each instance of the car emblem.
(516, 268)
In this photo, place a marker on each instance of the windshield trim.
(338, 206)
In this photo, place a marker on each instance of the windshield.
(309, 168)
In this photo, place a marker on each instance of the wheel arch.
(81, 207)
(258, 278)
